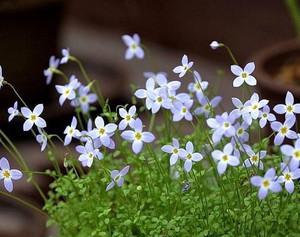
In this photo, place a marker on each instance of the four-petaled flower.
(189, 156)
(33, 117)
(8, 175)
(137, 137)
(66, 56)
(266, 183)
(68, 91)
(284, 130)
(289, 108)
(134, 47)
(289, 173)
(207, 105)
(293, 152)
(48, 73)
(13, 111)
(255, 159)
(182, 110)
(117, 177)
(88, 153)
(173, 150)
(244, 75)
(71, 132)
(84, 99)
(186, 65)
(41, 138)
(265, 116)
(128, 117)
(102, 131)
(225, 158)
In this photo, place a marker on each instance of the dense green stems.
(25, 203)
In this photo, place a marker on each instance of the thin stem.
(25, 203)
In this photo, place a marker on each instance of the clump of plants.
(137, 171)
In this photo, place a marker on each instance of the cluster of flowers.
(229, 128)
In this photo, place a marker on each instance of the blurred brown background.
(33, 30)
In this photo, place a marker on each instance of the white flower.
(289, 173)
(182, 110)
(186, 65)
(84, 99)
(128, 117)
(289, 108)
(13, 111)
(134, 47)
(266, 183)
(66, 56)
(225, 158)
(8, 175)
(48, 73)
(68, 91)
(102, 131)
(33, 117)
(215, 44)
(244, 75)
(137, 137)
(189, 156)
(88, 153)
(42, 140)
(71, 132)
(146, 93)
(117, 177)
(265, 116)
(255, 159)
(199, 86)
(293, 152)
(173, 150)
(284, 130)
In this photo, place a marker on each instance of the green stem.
(294, 11)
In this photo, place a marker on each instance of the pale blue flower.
(84, 99)
(1, 77)
(182, 110)
(104, 132)
(289, 108)
(198, 86)
(71, 132)
(173, 150)
(265, 116)
(162, 81)
(189, 156)
(266, 183)
(137, 136)
(293, 152)
(128, 117)
(255, 159)
(284, 130)
(33, 117)
(239, 147)
(243, 75)
(13, 111)
(8, 175)
(252, 108)
(134, 47)
(88, 154)
(241, 131)
(146, 93)
(68, 91)
(222, 125)
(289, 173)
(239, 106)
(160, 99)
(186, 65)
(215, 44)
(41, 138)
(225, 158)
(207, 105)
(117, 177)
(66, 56)
(48, 73)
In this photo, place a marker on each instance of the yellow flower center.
(289, 108)
(138, 136)
(225, 158)
(184, 110)
(128, 117)
(255, 107)
(244, 75)
(284, 130)
(189, 156)
(67, 91)
(159, 99)
(266, 183)
(265, 115)
(101, 131)
(175, 150)
(297, 154)
(240, 131)
(133, 46)
(254, 158)
(83, 99)
(6, 174)
(287, 176)
(33, 117)
(226, 125)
